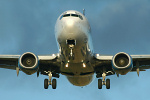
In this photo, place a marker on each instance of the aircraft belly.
(80, 80)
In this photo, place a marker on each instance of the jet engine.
(28, 63)
(122, 63)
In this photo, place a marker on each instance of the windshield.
(73, 15)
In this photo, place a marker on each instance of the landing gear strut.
(50, 82)
(102, 82)
(71, 55)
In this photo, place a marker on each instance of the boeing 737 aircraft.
(75, 59)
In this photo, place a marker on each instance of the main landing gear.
(50, 82)
(102, 82)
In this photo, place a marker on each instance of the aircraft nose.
(70, 29)
(71, 26)
(70, 22)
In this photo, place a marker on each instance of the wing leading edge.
(9, 61)
(46, 62)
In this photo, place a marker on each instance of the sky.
(117, 26)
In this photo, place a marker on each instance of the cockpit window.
(66, 15)
(73, 15)
(80, 17)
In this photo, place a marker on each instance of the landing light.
(67, 65)
(97, 55)
(84, 65)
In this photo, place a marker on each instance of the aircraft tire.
(54, 84)
(107, 83)
(46, 84)
(73, 57)
(99, 83)
(69, 57)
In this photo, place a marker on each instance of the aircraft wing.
(9, 61)
(104, 62)
(141, 61)
(46, 63)
(49, 63)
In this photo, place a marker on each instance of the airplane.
(76, 58)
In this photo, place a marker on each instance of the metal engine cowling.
(122, 63)
(28, 63)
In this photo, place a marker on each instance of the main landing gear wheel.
(46, 84)
(49, 82)
(102, 82)
(107, 83)
(54, 83)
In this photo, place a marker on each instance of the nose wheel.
(102, 82)
(49, 82)
(71, 57)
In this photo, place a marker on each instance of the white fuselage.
(73, 34)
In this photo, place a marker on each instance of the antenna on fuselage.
(84, 12)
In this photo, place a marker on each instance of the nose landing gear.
(71, 55)
(71, 43)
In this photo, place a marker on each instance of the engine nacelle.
(122, 63)
(28, 63)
